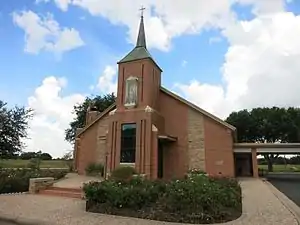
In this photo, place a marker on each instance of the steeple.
(141, 39)
(140, 50)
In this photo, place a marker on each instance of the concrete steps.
(62, 192)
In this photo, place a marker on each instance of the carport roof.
(267, 145)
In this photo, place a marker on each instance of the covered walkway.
(246, 154)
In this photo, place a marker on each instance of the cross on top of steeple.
(142, 11)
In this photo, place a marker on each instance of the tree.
(46, 156)
(101, 103)
(27, 155)
(13, 129)
(68, 158)
(269, 125)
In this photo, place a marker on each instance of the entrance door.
(243, 164)
(160, 160)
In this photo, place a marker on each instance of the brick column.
(75, 153)
(154, 149)
(254, 162)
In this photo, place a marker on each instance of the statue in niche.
(131, 92)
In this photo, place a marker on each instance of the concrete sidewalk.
(260, 207)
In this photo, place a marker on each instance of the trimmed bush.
(123, 173)
(17, 180)
(95, 169)
(195, 199)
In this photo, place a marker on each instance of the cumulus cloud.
(52, 115)
(261, 66)
(107, 82)
(164, 20)
(45, 33)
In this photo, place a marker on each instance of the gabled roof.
(101, 115)
(136, 54)
(166, 91)
(202, 111)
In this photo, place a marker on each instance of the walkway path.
(73, 180)
(260, 206)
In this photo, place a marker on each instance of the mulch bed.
(154, 213)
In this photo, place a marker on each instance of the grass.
(282, 168)
(19, 163)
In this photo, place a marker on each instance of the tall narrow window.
(131, 92)
(128, 143)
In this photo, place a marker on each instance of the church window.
(128, 143)
(131, 92)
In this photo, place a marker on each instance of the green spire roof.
(140, 51)
(141, 40)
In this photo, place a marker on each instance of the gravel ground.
(260, 207)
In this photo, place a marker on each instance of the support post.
(254, 162)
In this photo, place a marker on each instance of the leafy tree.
(46, 156)
(101, 103)
(13, 129)
(68, 158)
(268, 125)
(27, 155)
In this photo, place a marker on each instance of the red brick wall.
(176, 120)
(88, 144)
(218, 149)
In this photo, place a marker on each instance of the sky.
(222, 55)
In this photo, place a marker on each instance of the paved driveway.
(291, 188)
(260, 207)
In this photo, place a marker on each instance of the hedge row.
(17, 180)
(195, 199)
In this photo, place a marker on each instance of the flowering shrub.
(17, 180)
(195, 199)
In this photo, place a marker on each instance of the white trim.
(278, 150)
(242, 150)
(127, 164)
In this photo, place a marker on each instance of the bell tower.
(139, 76)
(132, 137)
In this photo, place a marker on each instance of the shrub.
(34, 163)
(17, 180)
(196, 199)
(132, 194)
(94, 169)
(123, 173)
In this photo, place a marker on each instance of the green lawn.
(18, 163)
(282, 168)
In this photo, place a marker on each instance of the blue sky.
(210, 53)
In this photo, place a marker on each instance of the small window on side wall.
(128, 143)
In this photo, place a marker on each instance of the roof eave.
(141, 59)
(111, 107)
(211, 116)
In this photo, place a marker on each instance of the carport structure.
(245, 155)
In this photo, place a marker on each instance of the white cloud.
(261, 66)
(62, 4)
(107, 82)
(53, 111)
(213, 40)
(169, 20)
(52, 115)
(45, 34)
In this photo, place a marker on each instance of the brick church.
(152, 129)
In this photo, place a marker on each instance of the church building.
(152, 129)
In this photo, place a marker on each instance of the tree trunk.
(270, 158)
(270, 165)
